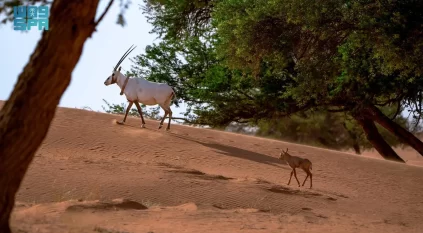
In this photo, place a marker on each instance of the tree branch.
(397, 111)
(241, 121)
(245, 94)
(337, 110)
(104, 13)
(183, 119)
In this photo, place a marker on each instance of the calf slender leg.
(292, 172)
(311, 180)
(126, 114)
(305, 179)
(140, 112)
(295, 174)
(308, 174)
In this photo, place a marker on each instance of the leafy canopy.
(342, 53)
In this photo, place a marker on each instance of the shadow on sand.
(236, 152)
(225, 149)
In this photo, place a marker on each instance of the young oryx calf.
(140, 90)
(297, 162)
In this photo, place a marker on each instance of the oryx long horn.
(124, 56)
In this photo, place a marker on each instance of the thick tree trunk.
(377, 140)
(26, 116)
(404, 135)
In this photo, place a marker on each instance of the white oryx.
(140, 90)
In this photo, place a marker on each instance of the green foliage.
(257, 61)
(177, 19)
(215, 95)
(341, 53)
(331, 54)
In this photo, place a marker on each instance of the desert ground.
(93, 175)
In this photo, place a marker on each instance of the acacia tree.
(353, 56)
(26, 116)
(342, 56)
(217, 96)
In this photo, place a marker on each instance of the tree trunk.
(26, 116)
(356, 147)
(377, 140)
(403, 135)
(354, 139)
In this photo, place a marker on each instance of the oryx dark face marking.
(112, 79)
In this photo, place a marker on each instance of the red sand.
(201, 180)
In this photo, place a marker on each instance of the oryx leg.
(170, 118)
(140, 112)
(165, 114)
(169, 111)
(126, 114)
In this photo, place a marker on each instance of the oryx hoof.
(120, 122)
(167, 129)
(143, 126)
(160, 126)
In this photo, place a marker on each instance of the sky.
(100, 54)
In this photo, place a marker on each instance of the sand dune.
(201, 180)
